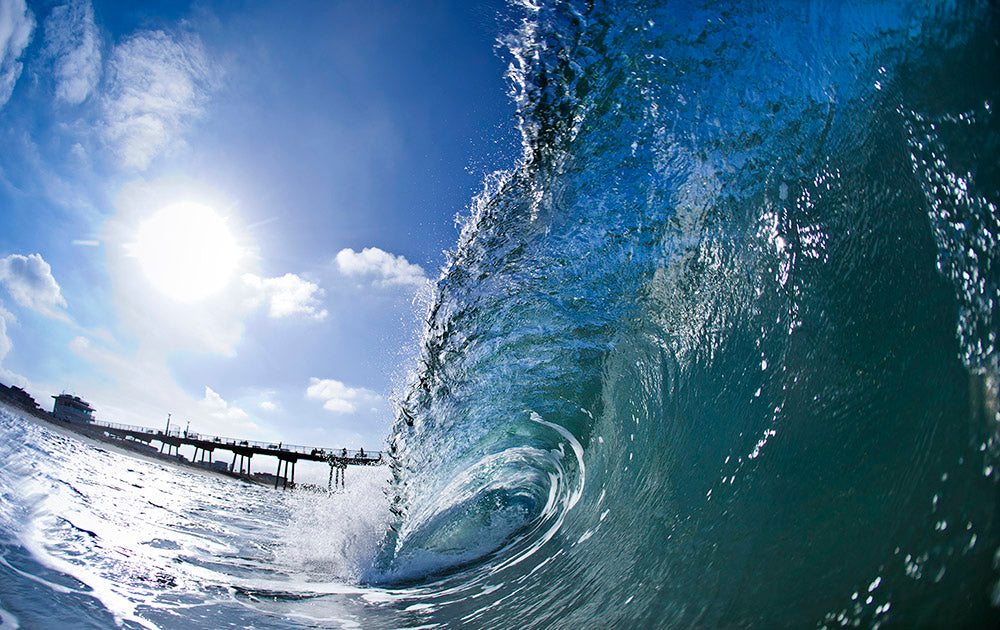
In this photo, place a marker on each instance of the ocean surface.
(719, 351)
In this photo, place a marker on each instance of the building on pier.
(18, 397)
(72, 408)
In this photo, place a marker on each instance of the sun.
(187, 251)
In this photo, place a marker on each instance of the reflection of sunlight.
(186, 251)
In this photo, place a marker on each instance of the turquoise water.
(719, 352)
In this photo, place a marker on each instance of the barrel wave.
(722, 350)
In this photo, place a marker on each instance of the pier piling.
(337, 470)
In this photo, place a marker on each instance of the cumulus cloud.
(219, 408)
(380, 266)
(287, 295)
(337, 397)
(267, 405)
(156, 85)
(29, 281)
(71, 40)
(16, 26)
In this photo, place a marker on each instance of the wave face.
(722, 350)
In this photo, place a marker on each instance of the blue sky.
(233, 212)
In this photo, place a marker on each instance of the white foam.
(336, 535)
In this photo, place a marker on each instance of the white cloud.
(16, 25)
(287, 295)
(29, 281)
(267, 405)
(9, 378)
(337, 397)
(219, 408)
(71, 40)
(156, 84)
(5, 344)
(381, 266)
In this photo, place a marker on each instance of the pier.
(243, 451)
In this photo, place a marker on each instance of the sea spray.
(335, 535)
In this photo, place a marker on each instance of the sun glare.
(187, 251)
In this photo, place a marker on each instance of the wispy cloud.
(5, 344)
(219, 408)
(71, 40)
(261, 223)
(380, 266)
(156, 85)
(86, 242)
(288, 295)
(29, 281)
(16, 26)
(337, 397)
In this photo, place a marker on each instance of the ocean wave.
(746, 267)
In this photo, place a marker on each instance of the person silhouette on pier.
(362, 452)
(343, 452)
